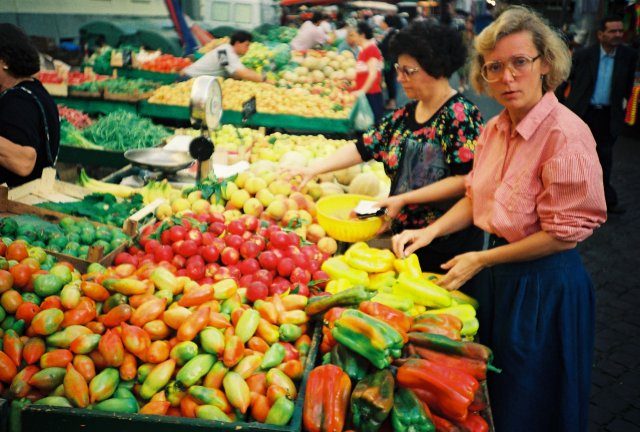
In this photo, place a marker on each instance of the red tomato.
(165, 237)
(245, 280)
(233, 240)
(257, 291)
(151, 245)
(285, 267)
(279, 240)
(229, 256)
(163, 253)
(249, 266)
(264, 276)
(194, 235)
(268, 260)
(188, 248)
(21, 275)
(236, 227)
(195, 271)
(251, 222)
(177, 232)
(294, 238)
(126, 258)
(249, 249)
(210, 253)
(179, 261)
(300, 276)
(3, 248)
(279, 286)
(17, 251)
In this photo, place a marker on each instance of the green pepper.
(195, 369)
(372, 400)
(247, 324)
(352, 363)
(289, 332)
(54, 401)
(368, 336)
(408, 414)
(211, 412)
(280, 412)
(158, 378)
(350, 296)
(273, 357)
(121, 405)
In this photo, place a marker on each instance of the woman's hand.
(412, 239)
(461, 269)
(393, 204)
(306, 174)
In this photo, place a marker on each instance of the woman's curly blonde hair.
(547, 41)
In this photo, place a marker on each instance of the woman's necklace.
(424, 112)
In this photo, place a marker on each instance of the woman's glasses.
(406, 71)
(518, 65)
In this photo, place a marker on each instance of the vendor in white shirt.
(312, 33)
(225, 61)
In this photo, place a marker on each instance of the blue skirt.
(538, 317)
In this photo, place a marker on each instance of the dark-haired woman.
(29, 119)
(369, 70)
(428, 144)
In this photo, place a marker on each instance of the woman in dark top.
(428, 144)
(29, 120)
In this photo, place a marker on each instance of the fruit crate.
(48, 189)
(57, 419)
(126, 97)
(96, 106)
(10, 208)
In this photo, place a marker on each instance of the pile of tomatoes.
(166, 63)
(262, 257)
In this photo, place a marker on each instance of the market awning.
(310, 2)
(375, 5)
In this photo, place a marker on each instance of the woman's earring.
(5, 67)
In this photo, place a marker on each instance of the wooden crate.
(48, 189)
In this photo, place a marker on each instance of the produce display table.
(91, 157)
(164, 78)
(94, 106)
(60, 419)
(282, 121)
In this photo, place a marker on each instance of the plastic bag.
(364, 118)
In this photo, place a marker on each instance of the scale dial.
(206, 102)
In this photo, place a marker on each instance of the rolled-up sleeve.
(572, 203)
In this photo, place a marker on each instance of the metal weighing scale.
(205, 112)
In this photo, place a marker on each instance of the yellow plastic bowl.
(333, 213)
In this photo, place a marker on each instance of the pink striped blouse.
(544, 175)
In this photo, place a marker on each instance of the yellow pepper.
(334, 286)
(465, 313)
(422, 291)
(410, 264)
(461, 298)
(397, 302)
(416, 310)
(383, 282)
(336, 268)
(371, 260)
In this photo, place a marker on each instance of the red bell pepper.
(326, 399)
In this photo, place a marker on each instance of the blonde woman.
(536, 190)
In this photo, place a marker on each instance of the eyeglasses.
(406, 71)
(493, 71)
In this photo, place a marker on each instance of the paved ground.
(611, 256)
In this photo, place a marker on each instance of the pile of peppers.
(385, 370)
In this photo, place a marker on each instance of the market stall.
(204, 290)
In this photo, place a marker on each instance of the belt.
(492, 240)
(599, 107)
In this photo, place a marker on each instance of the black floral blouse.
(417, 154)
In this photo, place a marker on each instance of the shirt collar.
(603, 53)
(530, 123)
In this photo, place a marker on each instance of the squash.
(345, 176)
(365, 184)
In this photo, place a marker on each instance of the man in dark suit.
(601, 79)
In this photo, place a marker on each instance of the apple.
(236, 227)
(180, 205)
(253, 207)
(194, 234)
(281, 187)
(233, 240)
(265, 196)
(217, 228)
(238, 198)
(327, 245)
(315, 232)
(276, 209)
(249, 249)
(254, 184)
(285, 266)
(200, 206)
